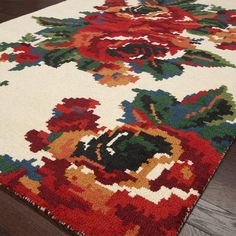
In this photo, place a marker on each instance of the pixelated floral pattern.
(117, 42)
(143, 176)
(140, 178)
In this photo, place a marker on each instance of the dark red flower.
(23, 48)
(74, 114)
(38, 140)
(227, 46)
(134, 34)
(4, 57)
(25, 57)
(228, 17)
(224, 39)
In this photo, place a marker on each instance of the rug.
(115, 114)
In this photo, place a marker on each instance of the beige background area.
(28, 101)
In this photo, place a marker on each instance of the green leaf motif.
(58, 32)
(28, 38)
(87, 64)
(207, 113)
(6, 166)
(211, 108)
(54, 22)
(212, 23)
(203, 58)
(57, 57)
(4, 46)
(23, 65)
(221, 135)
(195, 9)
(162, 69)
(4, 83)
(199, 32)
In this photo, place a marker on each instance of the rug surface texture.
(115, 114)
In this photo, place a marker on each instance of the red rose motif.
(24, 57)
(74, 114)
(127, 34)
(184, 174)
(4, 57)
(224, 39)
(227, 46)
(23, 48)
(38, 139)
(24, 54)
(74, 195)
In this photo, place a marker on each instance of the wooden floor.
(214, 214)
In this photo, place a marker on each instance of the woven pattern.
(125, 112)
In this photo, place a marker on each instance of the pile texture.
(115, 114)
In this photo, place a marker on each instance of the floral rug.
(115, 114)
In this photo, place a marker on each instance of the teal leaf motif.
(162, 69)
(58, 57)
(202, 58)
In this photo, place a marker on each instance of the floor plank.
(4, 232)
(188, 230)
(10, 9)
(18, 219)
(221, 191)
(221, 195)
(213, 219)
